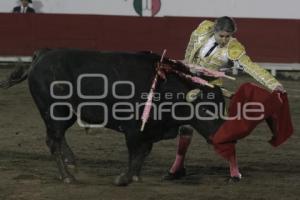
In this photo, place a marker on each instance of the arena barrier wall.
(266, 40)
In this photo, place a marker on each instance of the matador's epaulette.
(204, 27)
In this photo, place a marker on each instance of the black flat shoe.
(234, 179)
(175, 176)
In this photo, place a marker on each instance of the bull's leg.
(55, 128)
(184, 139)
(137, 157)
(235, 174)
(68, 155)
(137, 154)
(54, 142)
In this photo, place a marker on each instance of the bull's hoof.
(69, 180)
(70, 162)
(137, 179)
(71, 166)
(122, 180)
(175, 176)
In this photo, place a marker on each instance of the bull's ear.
(192, 95)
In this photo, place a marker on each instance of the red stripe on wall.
(266, 40)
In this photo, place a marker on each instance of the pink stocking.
(234, 169)
(182, 146)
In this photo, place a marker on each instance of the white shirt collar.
(23, 9)
(206, 47)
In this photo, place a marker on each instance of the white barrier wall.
(284, 9)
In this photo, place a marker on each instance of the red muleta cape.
(276, 113)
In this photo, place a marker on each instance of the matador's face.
(25, 2)
(222, 37)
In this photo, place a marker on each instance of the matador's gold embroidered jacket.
(234, 51)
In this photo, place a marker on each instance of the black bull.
(111, 88)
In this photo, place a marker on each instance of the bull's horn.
(230, 77)
(227, 93)
(192, 95)
(210, 85)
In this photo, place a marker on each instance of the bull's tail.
(17, 76)
(21, 72)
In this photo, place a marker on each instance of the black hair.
(225, 24)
